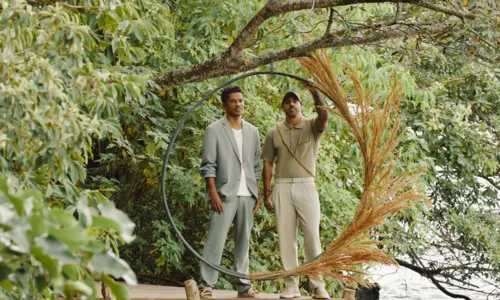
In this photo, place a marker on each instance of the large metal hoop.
(169, 150)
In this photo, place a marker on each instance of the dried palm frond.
(375, 126)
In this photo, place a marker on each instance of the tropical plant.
(62, 80)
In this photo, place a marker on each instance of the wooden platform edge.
(303, 298)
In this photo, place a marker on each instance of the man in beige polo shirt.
(293, 146)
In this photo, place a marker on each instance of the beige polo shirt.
(303, 140)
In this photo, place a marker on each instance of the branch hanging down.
(330, 21)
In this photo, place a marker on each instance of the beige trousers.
(296, 201)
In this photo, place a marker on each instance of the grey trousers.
(296, 201)
(238, 210)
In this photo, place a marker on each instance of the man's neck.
(234, 121)
(294, 121)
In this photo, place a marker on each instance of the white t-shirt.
(243, 189)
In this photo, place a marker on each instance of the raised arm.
(321, 120)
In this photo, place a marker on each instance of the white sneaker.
(290, 293)
(320, 293)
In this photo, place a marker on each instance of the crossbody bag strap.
(290, 150)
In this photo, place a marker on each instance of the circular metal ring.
(171, 146)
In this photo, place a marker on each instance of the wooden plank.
(159, 292)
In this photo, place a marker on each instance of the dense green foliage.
(47, 251)
(460, 132)
(82, 123)
(62, 82)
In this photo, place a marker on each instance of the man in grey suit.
(231, 168)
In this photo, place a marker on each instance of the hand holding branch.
(322, 119)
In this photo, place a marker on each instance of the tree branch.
(397, 15)
(222, 66)
(428, 274)
(308, 4)
(490, 181)
(330, 21)
(274, 8)
(231, 61)
(246, 35)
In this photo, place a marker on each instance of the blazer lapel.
(230, 135)
(247, 137)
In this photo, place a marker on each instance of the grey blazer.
(220, 157)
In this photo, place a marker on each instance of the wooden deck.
(158, 292)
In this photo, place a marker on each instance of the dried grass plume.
(375, 124)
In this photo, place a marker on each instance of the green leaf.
(79, 287)
(123, 24)
(105, 223)
(19, 236)
(42, 281)
(137, 31)
(6, 215)
(56, 250)
(126, 225)
(4, 189)
(49, 264)
(74, 238)
(32, 201)
(22, 279)
(90, 282)
(120, 291)
(109, 263)
(38, 225)
(16, 202)
(5, 270)
(64, 218)
(71, 271)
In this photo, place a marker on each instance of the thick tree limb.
(429, 274)
(231, 61)
(274, 8)
(308, 4)
(222, 66)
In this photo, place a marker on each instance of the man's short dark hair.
(229, 90)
